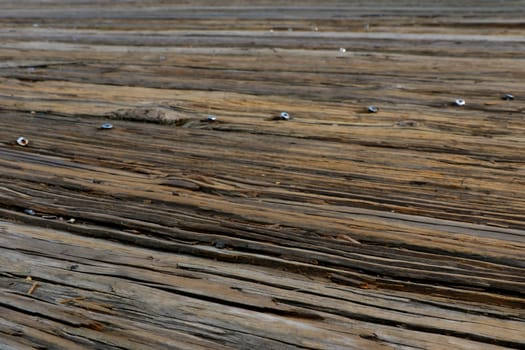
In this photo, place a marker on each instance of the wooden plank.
(336, 229)
(134, 283)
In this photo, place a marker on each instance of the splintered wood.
(204, 218)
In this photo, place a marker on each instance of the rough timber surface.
(337, 229)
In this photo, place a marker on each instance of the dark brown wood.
(336, 229)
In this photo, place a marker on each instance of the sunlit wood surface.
(336, 229)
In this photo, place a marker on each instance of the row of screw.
(22, 141)
(458, 102)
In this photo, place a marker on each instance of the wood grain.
(337, 229)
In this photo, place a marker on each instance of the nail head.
(372, 109)
(22, 141)
(459, 102)
(285, 116)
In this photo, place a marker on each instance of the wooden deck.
(337, 229)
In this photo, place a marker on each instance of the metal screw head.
(459, 102)
(285, 116)
(507, 97)
(22, 141)
(29, 212)
(372, 109)
(211, 118)
(342, 50)
(106, 126)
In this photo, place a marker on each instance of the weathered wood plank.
(337, 229)
(132, 280)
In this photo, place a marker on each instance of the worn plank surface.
(337, 229)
